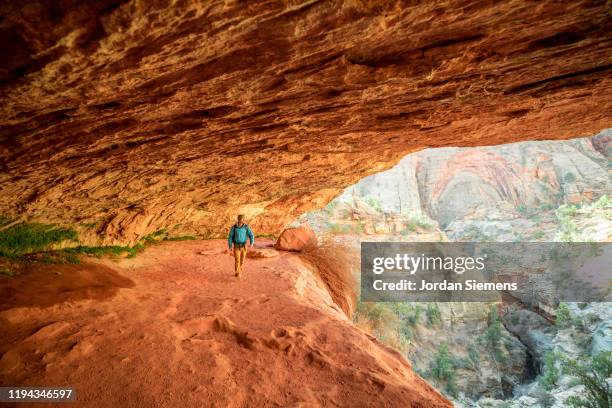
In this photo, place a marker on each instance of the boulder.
(295, 239)
(602, 338)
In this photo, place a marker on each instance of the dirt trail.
(173, 328)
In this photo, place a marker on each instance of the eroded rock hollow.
(137, 115)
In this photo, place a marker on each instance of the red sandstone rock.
(177, 329)
(146, 115)
(262, 253)
(295, 239)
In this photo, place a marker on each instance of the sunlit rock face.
(506, 192)
(497, 182)
(141, 115)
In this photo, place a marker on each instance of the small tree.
(569, 177)
(550, 373)
(433, 314)
(373, 202)
(593, 374)
(443, 368)
(492, 337)
(473, 354)
(563, 316)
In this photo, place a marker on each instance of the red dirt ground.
(174, 328)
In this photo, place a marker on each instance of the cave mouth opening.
(459, 190)
(532, 368)
(518, 192)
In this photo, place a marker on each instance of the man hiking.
(238, 239)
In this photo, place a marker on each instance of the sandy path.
(173, 328)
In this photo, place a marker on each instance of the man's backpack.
(234, 227)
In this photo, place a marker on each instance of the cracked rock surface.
(140, 115)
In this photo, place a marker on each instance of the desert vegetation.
(24, 242)
(593, 374)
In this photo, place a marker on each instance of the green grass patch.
(155, 237)
(272, 236)
(89, 225)
(181, 238)
(100, 251)
(24, 238)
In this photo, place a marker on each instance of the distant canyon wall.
(452, 184)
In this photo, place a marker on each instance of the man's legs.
(243, 252)
(236, 260)
(239, 257)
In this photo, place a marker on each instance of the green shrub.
(155, 237)
(334, 228)
(602, 202)
(593, 373)
(409, 316)
(473, 233)
(410, 227)
(493, 335)
(374, 203)
(473, 354)
(451, 388)
(592, 318)
(331, 205)
(514, 317)
(566, 211)
(550, 373)
(578, 323)
(181, 238)
(89, 225)
(382, 321)
(547, 206)
(563, 316)
(569, 177)
(419, 219)
(545, 399)
(413, 318)
(522, 209)
(24, 238)
(462, 363)
(442, 368)
(433, 314)
(442, 365)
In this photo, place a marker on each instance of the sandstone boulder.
(295, 239)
